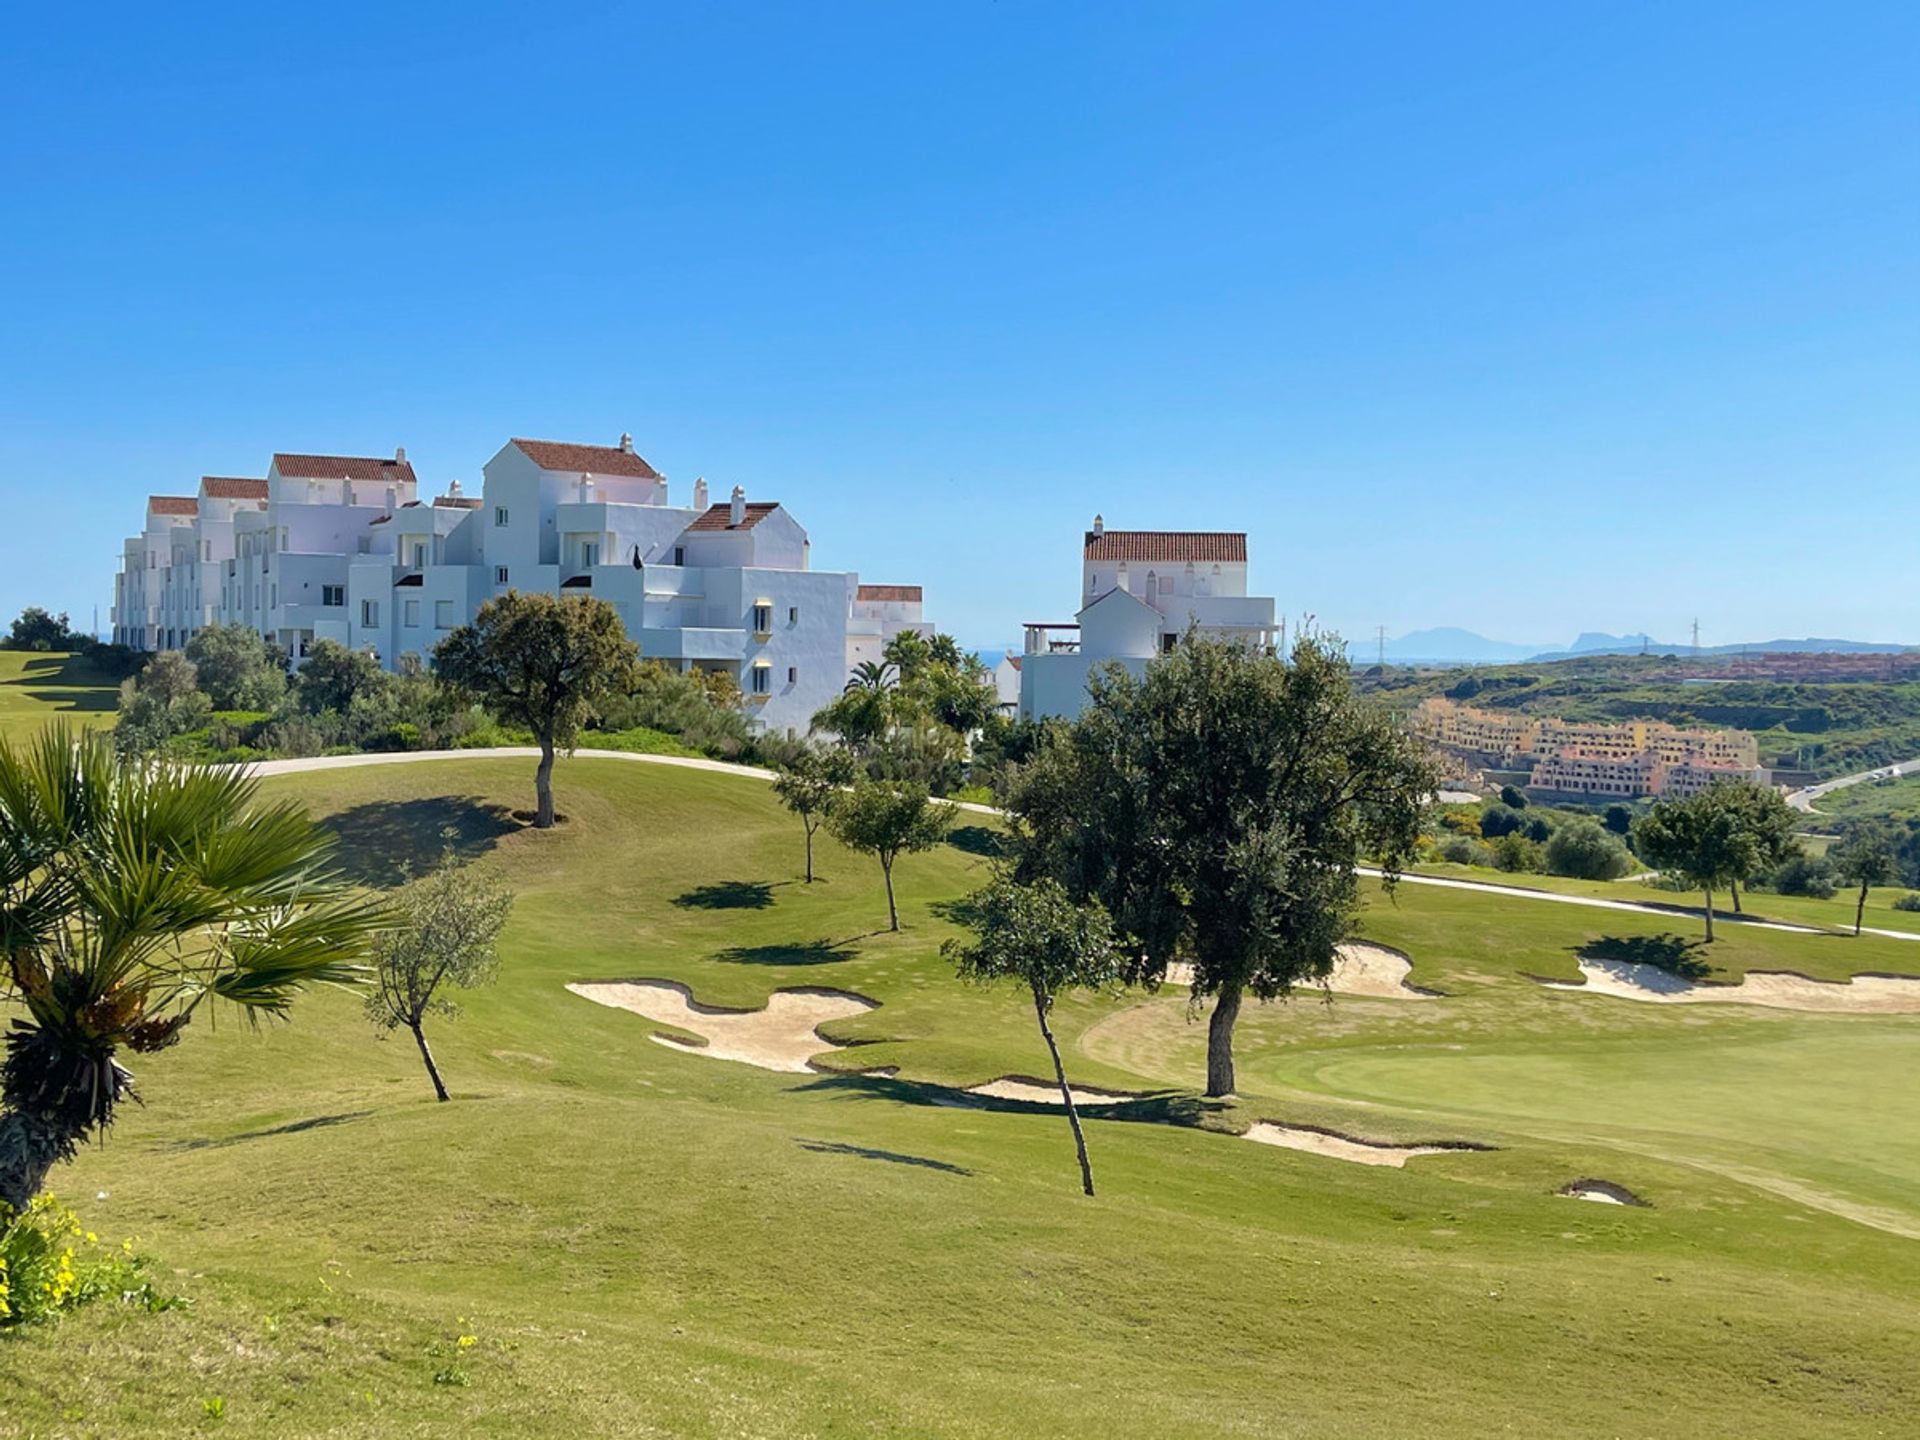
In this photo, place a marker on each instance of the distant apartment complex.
(332, 547)
(1626, 760)
(1140, 591)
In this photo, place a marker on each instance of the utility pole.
(1696, 637)
(1380, 654)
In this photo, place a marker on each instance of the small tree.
(1866, 857)
(449, 921)
(1036, 934)
(35, 629)
(809, 784)
(239, 668)
(1513, 797)
(887, 819)
(541, 662)
(162, 702)
(1765, 824)
(1585, 851)
(332, 676)
(1698, 838)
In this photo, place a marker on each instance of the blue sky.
(1481, 315)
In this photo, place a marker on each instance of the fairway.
(641, 1240)
(36, 687)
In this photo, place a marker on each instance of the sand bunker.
(1040, 1092)
(1864, 995)
(783, 1036)
(1362, 968)
(1603, 1191)
(1342, 1147)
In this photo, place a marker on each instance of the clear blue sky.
(1469, 314)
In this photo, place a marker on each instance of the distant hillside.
(1451, 645)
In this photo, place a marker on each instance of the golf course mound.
(1377, 972)
(1868, 994)
(1334, 1146)
(1603, 1192)
(782, 1036)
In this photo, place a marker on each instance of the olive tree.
(1697, 837)
(544, 663)
(448, 922)
(1219, 809)
(887, 819)
(1036, 934)
(1865, 857)
(809, 783)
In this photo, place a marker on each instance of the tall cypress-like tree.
(1219, 809)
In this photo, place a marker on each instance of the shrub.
(1619, 819)
(1537, 829)
(1513, 797)
(1498, 820)
(1583, 850)
(1908, 901)
(1810, 875)
(1516, 854)
(50, 1264)
(1463, 850)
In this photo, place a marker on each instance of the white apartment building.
(344, 548)
(1140, 591)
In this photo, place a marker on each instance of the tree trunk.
(809, 854)
(893, 914)
(433, 1070)
(1860, 910)
(1709, 894)
(1066, 1091)
(1226, 1010)
(543, 786)
(28, 1150)
(1733, 889)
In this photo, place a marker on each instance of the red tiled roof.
(717, 516)
(226, 487)
(456, 502)
(342, 467)
(1169, 547)
(590, 459)
(173, 505)
(888, 592)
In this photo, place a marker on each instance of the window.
(418, 553)
(1167, 642)
(274, 595)
(793, 615)
(333, 595)
(412, 612)
(589, 554)
(762, 619)
(369, 612)
(761, 678)
(499, 574)
(793, 674)
(443, 614)
(679, 554)
(499, 516)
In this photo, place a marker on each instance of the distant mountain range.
(1450, 645)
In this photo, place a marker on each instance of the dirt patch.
(1336, 1146)
(1042, 1092)
(1362, 968)
(1779, 989)
(1604, 1192)
(783, 1036)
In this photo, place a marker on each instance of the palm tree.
(871, 675)
(129, 894)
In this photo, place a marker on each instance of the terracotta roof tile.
(888, 592)
(590, 459)
(456, 502)
(717, 516)
(1169, 547)
(342, 467)
(227, 487)
(172, 505)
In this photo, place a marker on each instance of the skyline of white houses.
(344, 548)
(1140, 591)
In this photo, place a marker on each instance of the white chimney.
(1099, 526)
(453, 488)
(400, 455)
(626, 443)
(586, 487)
(737, 508)
(700, 494)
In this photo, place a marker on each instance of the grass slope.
(36, 688)
(643, 1241)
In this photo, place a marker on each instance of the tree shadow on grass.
(801, 952)
(383, 842)
(978, 840)
(727, 895)
(1674, 954)
(891, 1157)
(1154, 1107)
(292, 1127)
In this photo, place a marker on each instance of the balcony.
(693, 642)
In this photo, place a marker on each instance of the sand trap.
(1864, 995)
(783, 1036)
(1040, 1092)
(1342, 1147)
(1604, 1192)
(1362, 968)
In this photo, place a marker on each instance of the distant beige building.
(1627, 760)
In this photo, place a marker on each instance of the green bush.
(1908, 901)
(1805, 875)
(1498, 820)
(1463, 850)
(1583, 850)
(1518, 855)
(50, 1263)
